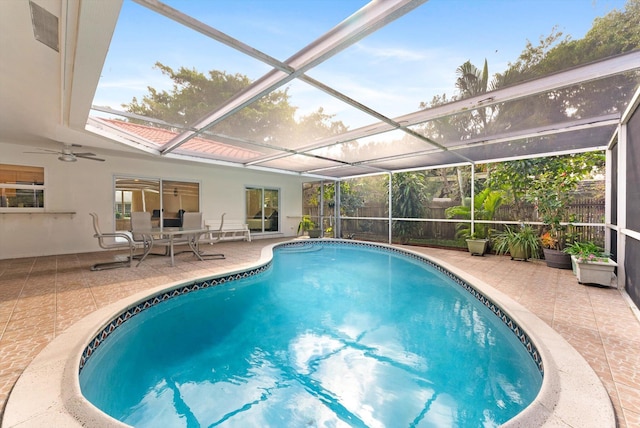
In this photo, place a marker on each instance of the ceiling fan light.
(67, 158)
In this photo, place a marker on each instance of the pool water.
(330, 335)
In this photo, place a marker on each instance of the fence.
(367, 226)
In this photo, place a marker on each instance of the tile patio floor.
(42, 296)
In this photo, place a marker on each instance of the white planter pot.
(594, 272)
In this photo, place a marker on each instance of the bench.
(221, 230)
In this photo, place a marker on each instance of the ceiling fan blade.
(84, 156)
(45, 152)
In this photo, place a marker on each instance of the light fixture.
(64, 157)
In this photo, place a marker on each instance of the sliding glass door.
(166, 200)
(178, 197)
(262, 209)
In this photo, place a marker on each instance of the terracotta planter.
(477, 247)
(557, 259)
(599, 273)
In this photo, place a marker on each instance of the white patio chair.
(112, 241)
(141, 231)
(194, 221)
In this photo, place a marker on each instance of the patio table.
(192, 237)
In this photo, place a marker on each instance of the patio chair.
(194, 221)
(112, 241)
(140, 223)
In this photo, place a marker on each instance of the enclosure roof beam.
(362, 23)
(581, 74)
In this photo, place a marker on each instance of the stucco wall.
(87, 186)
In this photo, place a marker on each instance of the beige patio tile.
(73, 298)
(66, 318)
(18, 348)
(41, 311)
(41, 297)
(9, 291)
(615, 400)
(7, 379)
(632, 419)
(630, 398)
(39, 324)
(625, 363)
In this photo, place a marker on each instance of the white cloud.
(393, 53)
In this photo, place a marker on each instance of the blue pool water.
(330, 335)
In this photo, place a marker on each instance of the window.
(21, 187)
(262, 209)
(166, 200)
(123, 203)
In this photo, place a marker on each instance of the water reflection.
(332, 347)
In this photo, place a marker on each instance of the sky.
(392, 71)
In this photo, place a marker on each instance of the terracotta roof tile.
(197, 145)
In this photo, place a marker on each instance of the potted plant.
(553, 252)
(307, 225)
(551, 194)
(477, 246)
(591, 264)
(521, 243)
(485, 204)
(328, 232)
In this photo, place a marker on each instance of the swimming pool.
(347, 334)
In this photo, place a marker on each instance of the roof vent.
(45, 26)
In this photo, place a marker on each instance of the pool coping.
(48, 391)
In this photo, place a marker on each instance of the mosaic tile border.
(515, 328)
(159, 298)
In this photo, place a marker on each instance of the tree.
(192, 96)
(270, 120)
(552, 178)
(408, 201)
(317, 125)
(471, 82)
(351, 197)
(615, 33)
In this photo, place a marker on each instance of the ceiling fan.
(67, 154)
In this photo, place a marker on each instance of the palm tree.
(472, 81)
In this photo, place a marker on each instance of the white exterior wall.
(87, 186)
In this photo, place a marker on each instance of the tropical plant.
(546, 182)
(409, 196)
(305, 224)
(551, 191)
(586, 252)
(551, 196)
(472, 81)
(485, 205)
(524, 238)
